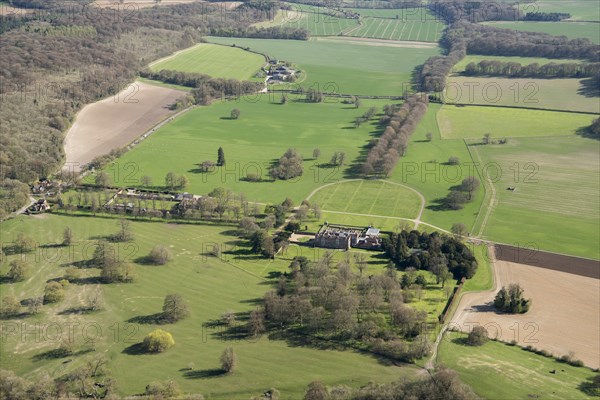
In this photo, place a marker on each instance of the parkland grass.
(580, 10)
(474, 121)
(210, 286)
(264, 131)
(500, 371)
(556, 193)
(340, 67)
(213, 60)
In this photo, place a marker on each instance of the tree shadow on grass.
(59, 353)
(135, 349)
(461, 341)
(205, 373)
(589, 387)
(154, 319)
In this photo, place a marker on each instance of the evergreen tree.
(220, 157)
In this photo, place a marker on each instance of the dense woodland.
(453, 11)
(434, 252)
(516, 70)
(389, 147)
(46, 78)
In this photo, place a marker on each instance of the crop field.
(216, 61)
(556, 196)
(211, 287)
(460, 66)
(498, 371)
(369, 197)
(264, 131)
(411, 24)
(131, 113)
(572, 30)
(465, 122)
(548, 325)
(398, 29)
(551, 94)
(339, 67)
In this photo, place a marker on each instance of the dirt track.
(564, 311)
(116, 121)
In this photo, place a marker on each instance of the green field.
(572, 30)
(211, 287)
(557, 193)
(369, 197)
(583, 10)
(467, 122)
(263, 133)
(412, 24)
(213, 60)
(483, 279)
(340, 67)
(428, 30)
(460, 66)
(497, 371)
(550, 94)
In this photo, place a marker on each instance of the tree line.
(273, 32)
(389, 147)
(462, 38)
(436, 253)
(533, 70)
(452, 11)
(206, 88)
(546, 17)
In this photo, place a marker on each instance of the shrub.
(158, 341)
(53, 293)
(228, 360)
(454, 160)
(478, 336)
(160, 255)
(18, 270)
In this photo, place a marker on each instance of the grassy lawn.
(483, 279)
(369, 197)
(264, 131)
(211, 287)
(213, 60)
(579, 9)
(467, 122)
(553, 94)
(344, 67)
(499, 371)
(428, 30)
(557, 193)
(572, 30)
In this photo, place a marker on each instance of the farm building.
(344, 237)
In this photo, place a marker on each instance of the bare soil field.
(563, 316)
(117, 121)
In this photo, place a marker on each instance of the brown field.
(563, 316)
(117, 121)
(8, 10)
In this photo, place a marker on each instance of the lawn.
(216, 61)
(483, 279)
(474, 121)
(499, 371)
(551, 94)
(369, 197)
(211, 287)
(264, 131)
(557, 193)
(339, 67)
(572, 30)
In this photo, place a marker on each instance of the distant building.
(345, 237)
(39, 206)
